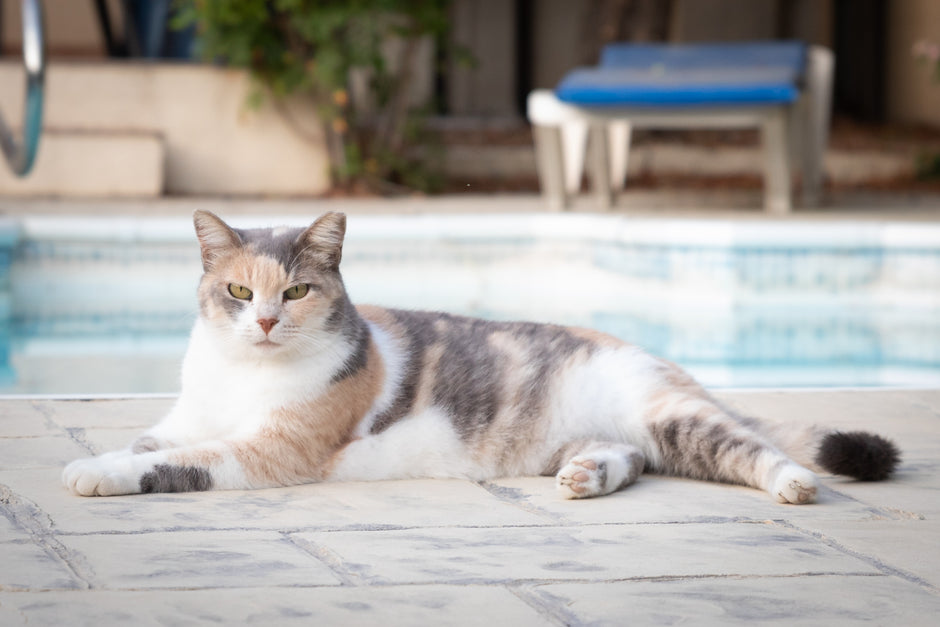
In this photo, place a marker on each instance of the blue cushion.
(689, 75)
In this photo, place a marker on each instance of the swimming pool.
(105, 305)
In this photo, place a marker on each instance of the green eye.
(295, 292)
(239, 291)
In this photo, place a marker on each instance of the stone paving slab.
(24, 419)
(466, 606)
(372, 506)
(913, 543)
(103, 413)
(195, 559)
(103, 439)
(664, 551)
(30, 567)
(38, 452)
(666, 499)
(821, 600)
(587, 552)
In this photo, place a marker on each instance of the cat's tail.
(857, 454)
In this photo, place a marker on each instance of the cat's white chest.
(227, 397)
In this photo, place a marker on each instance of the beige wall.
(212, 143)
(913, 92)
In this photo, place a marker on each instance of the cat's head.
(272, 292)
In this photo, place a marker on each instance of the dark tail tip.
(864, 456)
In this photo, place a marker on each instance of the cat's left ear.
(215, 237)
(323, 240)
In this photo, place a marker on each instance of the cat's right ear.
(215, 237)
(322, 242)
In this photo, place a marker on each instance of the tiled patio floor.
(665, 551)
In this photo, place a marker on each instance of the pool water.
(101, 306)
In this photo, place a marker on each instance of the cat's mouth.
(267, 344)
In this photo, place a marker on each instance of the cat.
(286, 382)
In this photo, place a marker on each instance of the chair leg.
(600, 167)
(550, 165)
(618, 137)
(776, 162)
(574, 135)
(816, 122)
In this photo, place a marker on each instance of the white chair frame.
(797, 131)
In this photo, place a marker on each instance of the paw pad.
(581, 478)
(795, 485)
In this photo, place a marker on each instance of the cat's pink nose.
(267, 324)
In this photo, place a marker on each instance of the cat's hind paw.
(581, 478)
(795, 484)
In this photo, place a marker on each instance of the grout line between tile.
(519, 499)
(38, 524)
(332, 560)
(872, 561)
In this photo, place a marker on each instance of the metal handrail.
(21, 155)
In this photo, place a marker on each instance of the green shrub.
(307, 48)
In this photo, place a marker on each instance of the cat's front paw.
(795, 484)
(111, 474)
(582, 478)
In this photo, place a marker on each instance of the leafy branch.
(311, 49)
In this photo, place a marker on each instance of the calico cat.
(286, 382)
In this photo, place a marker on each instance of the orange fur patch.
(597, 337)
(300, 443)
(263, 275)
(381, 317)
(198, 457)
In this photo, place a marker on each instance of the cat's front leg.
(207, 467)
(110, 474)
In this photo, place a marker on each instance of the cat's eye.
(296, 291)
(239, 291)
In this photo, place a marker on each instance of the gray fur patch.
(420, 334)
(279, 244)
(470, 381)
(168, 478)
(356, 330)
(694, 447)
(230, 305)
(548, 346)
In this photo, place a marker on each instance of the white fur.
(120, 472)
(602, 398)
(605, 398)
(794, 484)
(424, 445)
(225, 395)
(106, 475)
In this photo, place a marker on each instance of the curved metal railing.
(20, 155)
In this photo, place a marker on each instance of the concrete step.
(214, 142)
(98, 164)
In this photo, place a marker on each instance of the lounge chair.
(782, 88)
